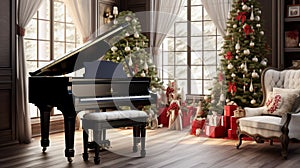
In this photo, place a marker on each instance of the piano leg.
(136, 138)
(69, 122)
(45, 120)
(142, 139)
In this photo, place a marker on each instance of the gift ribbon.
(241, 16)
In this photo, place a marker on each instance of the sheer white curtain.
(218, 11)
(81, 12)
(26, 9)
(164, 14)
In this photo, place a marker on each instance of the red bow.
(174, 106)
(248, 29)
(228, 55)
(241, 16)
(232, 87)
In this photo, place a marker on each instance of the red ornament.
(228, 55)
(248, 29)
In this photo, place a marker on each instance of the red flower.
(228, 55)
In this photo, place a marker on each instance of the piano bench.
(98, 122)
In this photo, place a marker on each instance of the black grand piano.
(50, 87)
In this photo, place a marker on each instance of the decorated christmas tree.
(133, 48)
(243, 53)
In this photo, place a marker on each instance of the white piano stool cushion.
(114, 115)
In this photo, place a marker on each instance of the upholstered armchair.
(277, 117)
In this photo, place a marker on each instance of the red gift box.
(232, 134)
(162, 117)
(228, 110)
(215, 131)
(233, 124)
(197, 124)
(226, 122)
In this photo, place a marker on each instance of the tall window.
(49, 35)
(190, 51)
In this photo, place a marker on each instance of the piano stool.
(98, 122)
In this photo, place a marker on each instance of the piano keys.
(48, 88)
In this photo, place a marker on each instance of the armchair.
(277, 117)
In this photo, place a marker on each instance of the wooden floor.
(165, 148)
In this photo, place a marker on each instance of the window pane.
(168, 58)
(207, 85)
(196, 29)
(209, 28)
(70, 33)
(210, 43)
(196, 72)
(196, 43)
(59, 11)
(181, 72)
(181, 58)
(169, 70)
(33, 110)
(70, 46)
(44, 10)
(44, 50)
(30, 49)
(168, 44)
(44, 30)
(182, 86)
(59, 33)
(196, 2)
(31, 66)
(196, 86)
(209, 72)
(31, 29)
(181, 29)
(181, 44)
(196, 58)
(183, 13)
(59, 49)
(196, 13)
(210, 57)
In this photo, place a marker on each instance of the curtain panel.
(25, 11)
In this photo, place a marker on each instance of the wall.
(7, 72)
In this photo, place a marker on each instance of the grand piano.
(50, 86)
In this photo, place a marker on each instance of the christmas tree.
(133, 48)
(243, 53)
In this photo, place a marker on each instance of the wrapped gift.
(162, 117)
(214, 119)
(225, 122)
(228, 110)
(186, 117)
(215, 131)
(239, 112)
(232, 134)
(197, 124)
(233, 124)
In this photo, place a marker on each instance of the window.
(49, 35)
(190, 52)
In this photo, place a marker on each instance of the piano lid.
(73, 60)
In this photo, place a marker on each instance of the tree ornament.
(253, 101)
(228, 55)
(118, 58)
(242, 66)
(127, 48)
(236, 57)
(251, 44)
(254, 74)
(146, 66)
(258, 25)
(244, 88)
(251, 89)
(143, 74)
(264, 62)
(245, 7)
(114, 49)
(255, 59)
(262, 32)
(222, 97)
(227, 100)
(234, 26)
(252, 14)
(134, 21)
(136, 35)
(237, 46)
(245, 67)
(127, 34)
(233, 75)
(229, 66)
(247, 29)
(257, 18)
(130, 60)
(247, 52)
(127, 18)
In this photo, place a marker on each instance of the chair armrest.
(253, 111)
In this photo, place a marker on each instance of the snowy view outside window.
(206, 43)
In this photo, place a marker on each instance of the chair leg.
(85, 154)
(284, 143)
(240, 136)
(97, 151)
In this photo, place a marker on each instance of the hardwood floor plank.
(165, 148)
